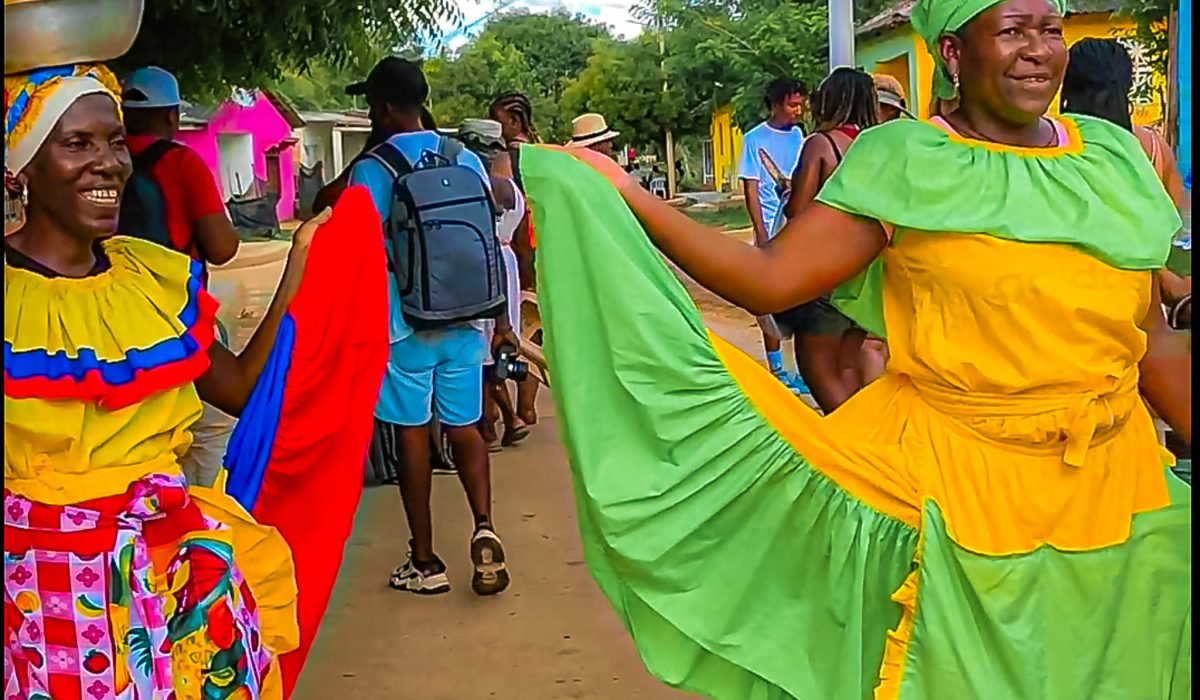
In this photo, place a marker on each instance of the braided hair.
(1098, 81)
(846, 97)
(518, 104)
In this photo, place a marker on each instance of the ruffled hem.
(139, 328)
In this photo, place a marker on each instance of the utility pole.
(841, 34)
(662, 52)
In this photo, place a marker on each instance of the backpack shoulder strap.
(154, 153)
(391, 158)
(449, 149)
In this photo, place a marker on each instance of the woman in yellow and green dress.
(993, 519)
(120, 582)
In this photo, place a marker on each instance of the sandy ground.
(552, 635)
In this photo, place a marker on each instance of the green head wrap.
(933, 19)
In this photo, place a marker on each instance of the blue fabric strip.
(37, 362)
(249, 449)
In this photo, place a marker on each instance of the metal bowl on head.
(42, 33)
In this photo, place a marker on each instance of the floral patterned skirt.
(131, 597)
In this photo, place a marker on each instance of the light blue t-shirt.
(783, 147)
(378, 181)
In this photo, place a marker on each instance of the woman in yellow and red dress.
(119, 581)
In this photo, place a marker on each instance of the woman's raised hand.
(304, 235)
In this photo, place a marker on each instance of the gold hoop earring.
(954, 80)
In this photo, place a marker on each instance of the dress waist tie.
(1077, 416)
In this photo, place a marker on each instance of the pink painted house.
(248, 143)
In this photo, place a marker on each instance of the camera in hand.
(508, 366)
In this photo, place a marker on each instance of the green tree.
(557, 44)
(463, 85)
(624, 82)
(730, 50)
(212, 44)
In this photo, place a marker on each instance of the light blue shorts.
(442, 369)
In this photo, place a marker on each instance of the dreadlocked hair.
(846, 98)
(1098, 80)
(520, 105)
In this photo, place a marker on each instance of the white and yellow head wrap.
(35, 101)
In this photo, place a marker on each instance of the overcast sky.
(614, 13)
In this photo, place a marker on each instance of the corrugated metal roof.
(350, 118)
(901, 13)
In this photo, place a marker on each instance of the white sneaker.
(487, 556)
(407, 577)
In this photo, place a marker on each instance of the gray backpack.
(441, 239)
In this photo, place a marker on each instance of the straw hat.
(890, 92)
(589, 129)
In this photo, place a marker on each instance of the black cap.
(396, 81)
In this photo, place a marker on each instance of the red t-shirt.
(189, 188)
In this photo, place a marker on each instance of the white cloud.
(615, 13)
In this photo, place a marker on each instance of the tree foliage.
(1150, 20)
(213, 44)
(538, 54)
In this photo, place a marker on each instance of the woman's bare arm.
(1166, 370)
(231, 378)
(816, 251)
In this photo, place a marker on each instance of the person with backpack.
(173, 200)
(447, 277)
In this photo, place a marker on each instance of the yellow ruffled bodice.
(1011, 394)
(73, 432)
(974, 313)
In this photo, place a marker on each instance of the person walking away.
(329, 194)
(430, 368)
(1098, 81)
(828, 345)
(483, 138)
(592, 131)
(173, 199)
(779, 138)
(514, 112)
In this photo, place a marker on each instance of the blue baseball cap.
(150, 88)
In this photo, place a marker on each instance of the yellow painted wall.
(1077, 27)
(727, 148)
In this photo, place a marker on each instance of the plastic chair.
(658, 187)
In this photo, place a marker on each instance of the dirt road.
(551, 636)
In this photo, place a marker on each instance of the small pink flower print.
(78, 517)
(93, 634)
(33, 632)
(57, 605)
(87, 577)
(97, 690)
(20, 575)
(16, 509)
(61, 659)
